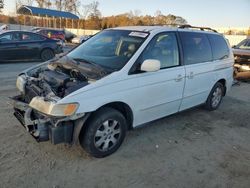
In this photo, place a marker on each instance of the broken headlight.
(20, 83)
(52, 108)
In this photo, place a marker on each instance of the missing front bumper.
(43, 128)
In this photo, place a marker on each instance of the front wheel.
(215, 97)
(104, 133)
(47, 54)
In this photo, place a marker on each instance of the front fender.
(97, 96)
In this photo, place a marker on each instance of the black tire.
(47, 54)
(215, 97)
(104, 133)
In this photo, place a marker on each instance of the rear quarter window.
(196, 48)
(219, 46)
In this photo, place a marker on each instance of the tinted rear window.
(219, 47)
(196, 48)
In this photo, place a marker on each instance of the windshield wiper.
(91, 63)
(84, 61)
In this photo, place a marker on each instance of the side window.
(6, 38)
(26, 37)
(31, 37)
(196, 48)
(43, 32)
(11, 37)
(16, 37)
(40, 37)
(163, 47)
(219, 47)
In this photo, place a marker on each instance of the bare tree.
(86, 9)
(28, 2)
(72, 6)
(48, 4)
(24, 2)
(40, 3)
(159, 18)
(170, 19)
(158, 13)
(44, 3)
(94, 9)
(137, 12)
(94, 15)
(1, 5)
(180, 21)
(59, 4)
(134, 17)
(132, 14)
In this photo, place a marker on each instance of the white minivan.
(122, 78)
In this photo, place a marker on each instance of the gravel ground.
(192, 149)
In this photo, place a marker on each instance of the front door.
(8, 46)
(159, 93)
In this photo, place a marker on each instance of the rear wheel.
(104, 133)
(215, 97)
(47, 54)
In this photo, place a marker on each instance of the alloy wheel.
(107, 135)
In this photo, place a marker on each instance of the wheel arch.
(124, 109)
(223, 82)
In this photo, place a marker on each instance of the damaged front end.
(44, 127)
(38, 108)
(242, 68)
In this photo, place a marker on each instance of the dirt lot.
(193, 149)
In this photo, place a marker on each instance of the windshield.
(244, 45)
(110, 49)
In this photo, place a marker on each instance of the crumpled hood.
(88, 70)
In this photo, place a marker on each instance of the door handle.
(191, 75)
(179, 78)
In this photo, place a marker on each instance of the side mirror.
(151, 65)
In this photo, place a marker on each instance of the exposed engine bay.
(60, 78)
(42, 86)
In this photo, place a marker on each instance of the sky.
(211, 13)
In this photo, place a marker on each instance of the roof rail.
(195, 27)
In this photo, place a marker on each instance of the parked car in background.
(81, 39)
(52, 33)
(34, 29)
(242, 60)
(122, 78)
(4, 28)
(242, 51)
(69, 35)
(18, 45)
